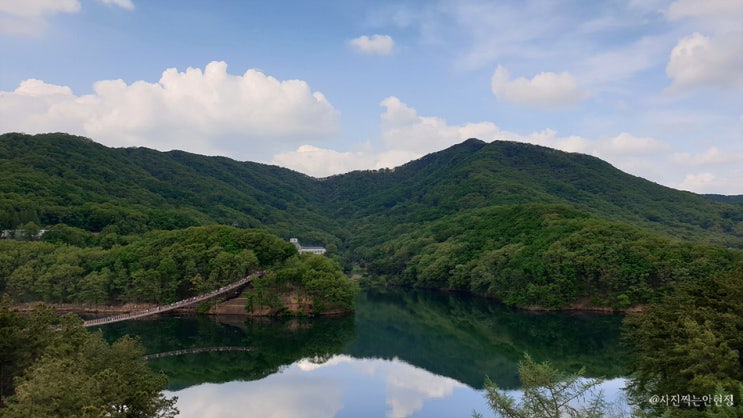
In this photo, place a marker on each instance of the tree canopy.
(690, 344)
(53, 367)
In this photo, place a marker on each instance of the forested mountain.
(474, 174)
(478, 216)
(58, 178)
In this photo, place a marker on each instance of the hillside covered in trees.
(525, 224)
(161, 267)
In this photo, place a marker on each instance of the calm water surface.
(403, 354)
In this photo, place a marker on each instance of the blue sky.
(655, 87)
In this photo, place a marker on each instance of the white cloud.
(406, 136)
(124, 4)
(26, 17)
(321, 162)
(374, 45)
(701, 61)
(712, 157)
(408, 388)
(311, 389)
(707, 182)
(37, 88)
(545, 89)
(712, 56)
(404, 129)
(274, 396)
(627, 145)
(209, 111)
(697, 181)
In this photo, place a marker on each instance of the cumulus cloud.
(697, 181)
(712, 55)
(545, 89)
(713, 156)
(404, 129)
(209, 111)
(707, 182)
(374, 45)
(406, 136)
(627, 145)
(702, 61)
(321, 162)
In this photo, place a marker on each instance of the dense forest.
(524, 224)
(548, 256)
(162, 267)
(51, 366)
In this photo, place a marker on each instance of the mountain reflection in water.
(404, 353)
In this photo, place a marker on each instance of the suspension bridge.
(194, 351)
(180, 304)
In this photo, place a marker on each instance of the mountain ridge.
(73, 170)
(528, 225)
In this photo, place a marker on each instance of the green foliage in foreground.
(549, 393)
(691, 343)
(545, 255)
(53, 367)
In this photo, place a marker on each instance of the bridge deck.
(175, 305)
(195, 351)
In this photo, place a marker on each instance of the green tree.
(549, 393)
(93, 287)
(690, 343)
(317, 282)
(23, 338)
(78, 374)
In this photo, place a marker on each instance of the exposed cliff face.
(291, 303)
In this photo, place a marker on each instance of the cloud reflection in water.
(341, 386)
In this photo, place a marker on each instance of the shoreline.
(73, 308)
(223, 308)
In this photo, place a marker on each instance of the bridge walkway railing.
(165, 308)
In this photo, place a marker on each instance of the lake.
(403, 353)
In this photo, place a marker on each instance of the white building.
(22, 234)
(302, 249)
